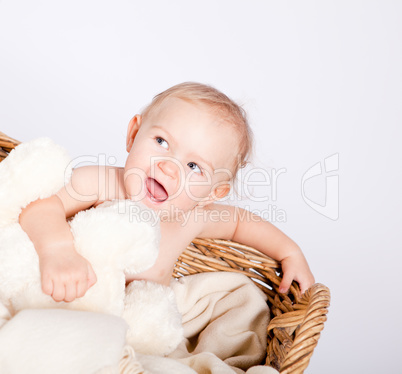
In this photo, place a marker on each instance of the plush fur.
(118, 238)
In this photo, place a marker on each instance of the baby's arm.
(247, 228)
(65, 274)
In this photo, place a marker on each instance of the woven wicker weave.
(297, 321)
(6, 145)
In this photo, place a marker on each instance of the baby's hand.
(295, 267)
(66, 275)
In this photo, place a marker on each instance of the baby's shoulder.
(98, 180)
(89, 186)
(216, 221)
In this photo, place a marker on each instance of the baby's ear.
(217, 193)
(133, 127)
(221, 191)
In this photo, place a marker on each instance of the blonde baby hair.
(221, 104)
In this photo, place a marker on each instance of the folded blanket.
(225, 318)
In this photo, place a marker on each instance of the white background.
(317, 78)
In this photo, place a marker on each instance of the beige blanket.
(225, 319)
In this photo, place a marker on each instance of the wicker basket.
(6, 145)
(297, 321)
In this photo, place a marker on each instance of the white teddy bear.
(118, 238)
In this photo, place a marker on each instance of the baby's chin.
(169, 211)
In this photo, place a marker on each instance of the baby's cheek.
(198, 192)
(134, 183)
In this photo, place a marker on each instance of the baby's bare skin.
(180, 163)
(176, 232)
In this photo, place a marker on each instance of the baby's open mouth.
(156, 190)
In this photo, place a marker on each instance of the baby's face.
(182, 156)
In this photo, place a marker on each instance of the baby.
(184, 150)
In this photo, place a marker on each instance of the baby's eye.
(162, 142)
(194, 167)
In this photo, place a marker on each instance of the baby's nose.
(169, 167)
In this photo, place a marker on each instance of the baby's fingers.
(304, 287)
(286, 282)
(306, 283)
(70, 292)
(59, 292)
(82, 287)
(47, 285)
(91, 276)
